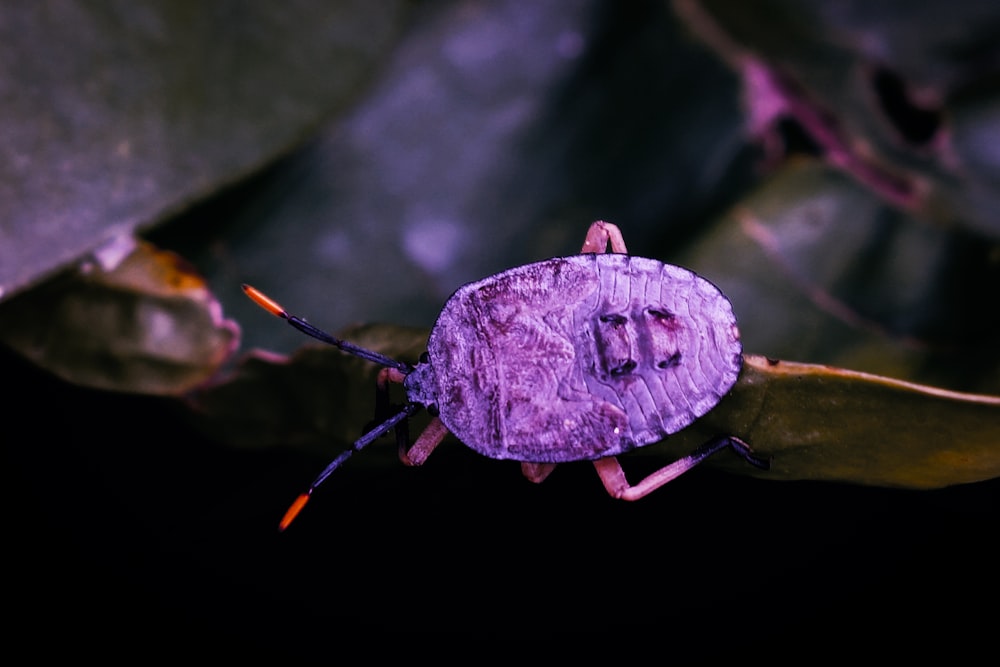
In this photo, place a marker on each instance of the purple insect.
(568, 359)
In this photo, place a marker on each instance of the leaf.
(118, 114)
(901, 100)
(816, 422)
(823, 423)
(140, 323)
(819, 268)
(317, 399)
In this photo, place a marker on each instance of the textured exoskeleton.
(572, 358)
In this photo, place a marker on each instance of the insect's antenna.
(300, 502)
(273, 307)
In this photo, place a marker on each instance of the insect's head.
(421, 384)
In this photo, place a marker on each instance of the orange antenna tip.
(293, 511)
(264, 301)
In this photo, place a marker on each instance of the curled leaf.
(145, 324)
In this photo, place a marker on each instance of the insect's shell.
(581, 357)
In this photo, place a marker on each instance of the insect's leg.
(600, 234)
(536, 472)
(383, 409)
(613, 477)
(386, 376)
(425, 444)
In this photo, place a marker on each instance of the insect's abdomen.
(581, 357)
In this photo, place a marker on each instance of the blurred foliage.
(117, 115)
(832, 167)
(832, 274)
(895, 94)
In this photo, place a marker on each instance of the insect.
(568, 359)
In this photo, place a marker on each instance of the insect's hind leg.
(600, 235)
(426, 443)
(613, 477)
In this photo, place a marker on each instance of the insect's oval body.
(579, 357)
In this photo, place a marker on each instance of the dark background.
(131, 534)
(133, 529)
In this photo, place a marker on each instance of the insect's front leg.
(429, 438)
(600, 235)
(613, 477)
(383, 408)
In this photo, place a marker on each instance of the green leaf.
(816, 422)
(823, 423)
(821, 269)
(119, 114)
(317, 399)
